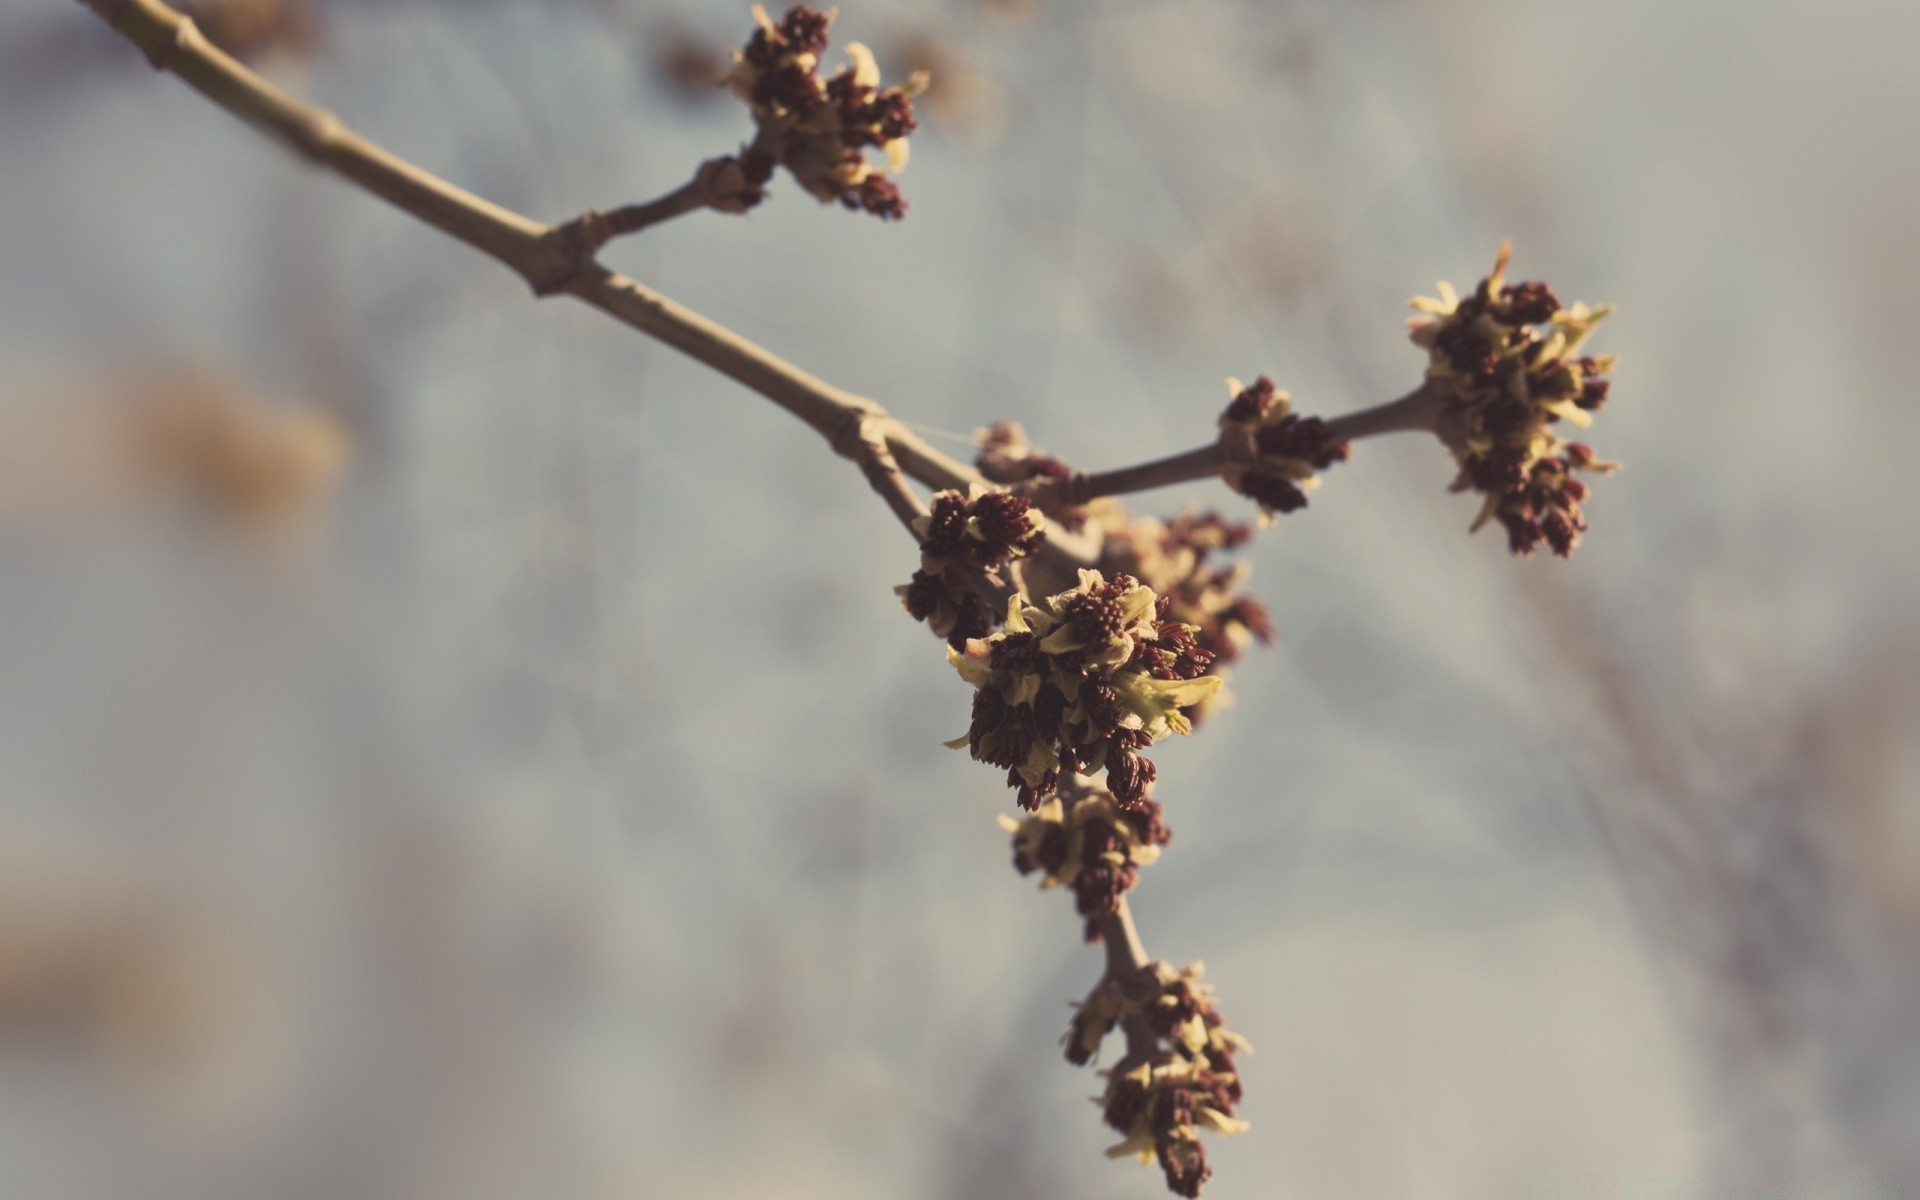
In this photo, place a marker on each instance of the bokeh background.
(454, 747)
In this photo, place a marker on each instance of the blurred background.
(454, 747)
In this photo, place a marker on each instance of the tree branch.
(1417, 410)
(173, 44)
(863, 440)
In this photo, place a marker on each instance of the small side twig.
(863, 439)
(1126, 959)
(1418, 410)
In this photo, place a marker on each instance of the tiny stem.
(1125, 952)
(1201, 462)
(1126, 958)
(1417, 411)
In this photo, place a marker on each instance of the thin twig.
(588, 232)
(1125, 953)
(1417, 410)
(1201, 462)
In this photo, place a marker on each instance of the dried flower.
(964, 539)
(1270, 453)
(1079, 683)
(1507, 367)
(820, 130)
(951, 610)
(1176, 559)
(984, 528)
(1160, 1101)
(1546, 507)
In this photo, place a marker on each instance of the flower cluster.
(1159, 1101)
(1006, 457)
(1269, 453)
(1085, 840)
(820, 130)
(1546, 506)
(963, 539)
(1506, 365)
(1079, 683)
(1175, 558)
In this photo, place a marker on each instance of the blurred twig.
(1800, 992)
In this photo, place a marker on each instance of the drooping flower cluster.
(1160, 1100)
(965, 540)
(1083, 839)
(1079, 683)
(1506, 365)
(820, 130)
(1271, 454)
(1176, 559)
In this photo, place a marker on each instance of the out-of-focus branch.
(172, 43)
(1417, 410)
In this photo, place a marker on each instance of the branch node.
(854, 436)
(314, 136)
(184, 35)
(860, 435)
(576, 241)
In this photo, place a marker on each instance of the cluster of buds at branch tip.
(1079, 682)
(1159, 1099)
(820, 129)
(1271, 454)
(1507, 365)
(966, 542)
(1086, 840)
